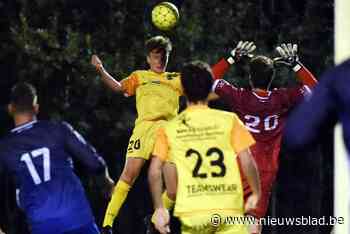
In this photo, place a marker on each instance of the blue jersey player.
(328, 104)
(39, 156)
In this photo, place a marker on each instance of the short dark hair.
(196, 80)
(261, 71)
(23, 97)
(158, 43)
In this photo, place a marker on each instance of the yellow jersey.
(157, 94)
(203, 143)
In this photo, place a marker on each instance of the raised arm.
(289, 57)
(314, 116)
(304, 75)
(243, 49)
(107, 79)
(220, 68)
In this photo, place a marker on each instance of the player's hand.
(107, 230)
(288, 55)
(251, 203)
(253, 225)
(96, 62)
(162, 219)
(1, 232)
(243, 49)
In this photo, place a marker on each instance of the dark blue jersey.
(39, 156)
(329, 103)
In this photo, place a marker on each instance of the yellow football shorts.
(201, 224)
(142, 140)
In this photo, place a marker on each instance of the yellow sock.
(119, 195)
(167, 202)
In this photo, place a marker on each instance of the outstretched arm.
(220, 68)
(243, 49)
(312, 117)
(304, 75)
(222, 88)
(289, 57)
(112, 83)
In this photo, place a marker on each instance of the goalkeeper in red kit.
(263, 110)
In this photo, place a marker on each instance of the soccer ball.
(165, 16)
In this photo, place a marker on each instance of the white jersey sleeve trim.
(215, 85)
(296, 68)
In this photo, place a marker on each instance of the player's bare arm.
(250, 170)
(170, 179)
(109, 80)
(161, 214)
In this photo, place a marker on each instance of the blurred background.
(49, 43)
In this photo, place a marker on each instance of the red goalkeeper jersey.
(264, 115)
